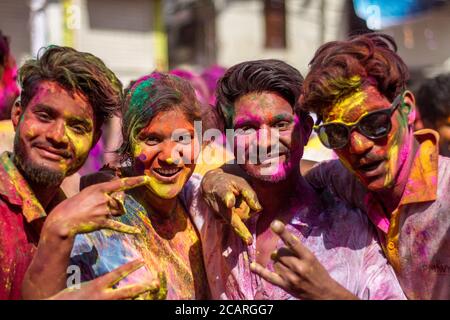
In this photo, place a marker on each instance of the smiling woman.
(160, 142)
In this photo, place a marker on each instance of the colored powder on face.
(345, 106)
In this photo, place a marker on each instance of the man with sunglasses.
(357, 89)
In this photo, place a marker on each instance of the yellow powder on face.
(393, 158)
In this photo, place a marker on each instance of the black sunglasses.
(374, 125)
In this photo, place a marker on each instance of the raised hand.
(102, 287)
(93, 208)
(298, 271)
(232, 198)
(90, 210)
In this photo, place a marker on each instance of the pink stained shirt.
(416, 237)
(341, 239)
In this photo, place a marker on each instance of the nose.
(57, 134)
(170, 153)
(359, 144)
(268, 139)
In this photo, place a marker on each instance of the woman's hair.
(151, 95)
(339, 68)
(76, 72)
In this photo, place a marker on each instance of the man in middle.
(331, 252)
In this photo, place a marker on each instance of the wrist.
(55, 229)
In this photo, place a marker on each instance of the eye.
(79, 129)
(43, 116)
(151, 141)
(245, 130)
(282, 125)
(183, 138)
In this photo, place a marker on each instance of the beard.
(33, 172)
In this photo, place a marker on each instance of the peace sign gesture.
(102, 287)
(298, 271)
(93, 208)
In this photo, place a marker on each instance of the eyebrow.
(46, 108)
(247, 120)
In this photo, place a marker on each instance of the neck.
(276, 195)
(391, 197)
(163, 208)
(44, 194)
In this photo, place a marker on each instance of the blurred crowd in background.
(198, 39)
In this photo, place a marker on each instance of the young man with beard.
(66, 96)
(358, 89)
(331, 250)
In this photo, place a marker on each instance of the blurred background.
(134, 37)
(201, 38)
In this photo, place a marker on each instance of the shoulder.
(345, 224)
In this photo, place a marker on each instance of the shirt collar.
(422, 180)
(16, 189)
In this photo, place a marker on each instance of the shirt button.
(391, 245)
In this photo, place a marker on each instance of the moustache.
(61, 152)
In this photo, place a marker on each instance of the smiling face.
(376, 162)
(268, 138)
(165, 150)
(54, 133)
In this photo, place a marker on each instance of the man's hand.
(298, 271)
(93, 208)
(102, 287)
(232, 198)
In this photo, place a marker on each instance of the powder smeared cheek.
(81, 146)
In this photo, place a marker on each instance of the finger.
(284, 272)
(243, 210)
(118, 201)
(121, 272)
(114, 208)
(120, 227)
(267, 275)
(250, 198)
(124, 184)
(286, 257)
(162, 293)
(132, 291)
(291, 241)
(240, 228)
(229, 199)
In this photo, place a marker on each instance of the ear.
(16, 114)
(409, 106)
(307, 124)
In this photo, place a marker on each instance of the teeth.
(167, 171)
